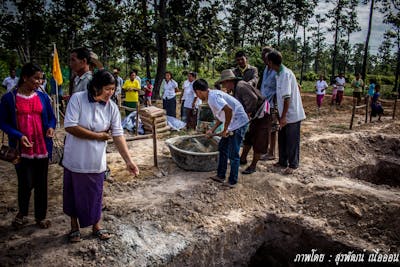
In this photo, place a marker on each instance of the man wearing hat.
(253, 103)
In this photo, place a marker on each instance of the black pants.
(32, 174)
(289, 145)
(170, 106)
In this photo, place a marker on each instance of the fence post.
(353, 112)
(394, 107)
(366, 107)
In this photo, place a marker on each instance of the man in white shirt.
(340, 84)
(291, 113)
(118, 88)
(11, 81)
(229, 112)
(320, 88)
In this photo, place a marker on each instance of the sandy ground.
(155, 217)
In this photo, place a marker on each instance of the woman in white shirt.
(320, 88)
(169, 94)
(91, 119)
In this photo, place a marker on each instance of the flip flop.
(18, 223)
(74, 236)
(217, 179)
(288, 171)
(102, 234)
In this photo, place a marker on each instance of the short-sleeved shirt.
(10, 83)
(321, 86)
(217, 100)
(286, 87)
(118, 88)
(357, 85)
(131, 96)
(84, 155)
(169, 89)
(371, 89)
(81, 82)
(340, 83)
(189, 94)
(248, 74)
(268, 85)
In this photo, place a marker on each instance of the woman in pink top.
(28, 119)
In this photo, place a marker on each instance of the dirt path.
(168, 216)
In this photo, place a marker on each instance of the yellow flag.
(56, 68)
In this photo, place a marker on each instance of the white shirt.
(340, 83)
(321, 86)
(84, 155)
(286, 87)
(169, 89)
(217, 100)
(10, 83)
(189, 95)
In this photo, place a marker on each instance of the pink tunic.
(29, 117)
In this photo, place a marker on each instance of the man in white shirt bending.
(228, 111)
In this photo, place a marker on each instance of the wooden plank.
(154, 133)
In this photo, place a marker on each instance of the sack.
(9, 154)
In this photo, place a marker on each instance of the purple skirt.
(83, 194)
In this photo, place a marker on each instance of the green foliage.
(381, 79)
(311, 76)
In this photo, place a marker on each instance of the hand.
(133, 168)
(282, 122)
(25, 142)
(50, 132)
(209, 133)
(225, 133)
(103, 136)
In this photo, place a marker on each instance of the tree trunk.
(365, 57)
(303, 54)
(396, 81)
(335, 47)
(161, 42)
(148, 34)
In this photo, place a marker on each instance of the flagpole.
(57, 107)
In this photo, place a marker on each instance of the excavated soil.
(343, 200)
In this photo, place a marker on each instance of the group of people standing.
(27, 117)
(338, 87)
(247, 114)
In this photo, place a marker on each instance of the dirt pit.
(171, 217)
(383, 172)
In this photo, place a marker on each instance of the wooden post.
(394, 106)
(353, 112)
(366, 107)
(137, 118)
(154, 130)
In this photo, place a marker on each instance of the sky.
(377, 30)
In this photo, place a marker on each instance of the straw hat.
(94, 58)
(227, 75)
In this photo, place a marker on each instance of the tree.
(160, 27)
(318, 40)
(365, 56)
(391, 9)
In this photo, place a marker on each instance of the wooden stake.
(153, 124)
(353, 113)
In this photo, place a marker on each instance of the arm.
(216, 125)
(84, 133)
(122, 148)
(282, 120)
(228, 118)
(254, 80)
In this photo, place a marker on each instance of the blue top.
(8, 119)
(268, 85)
(371, 89)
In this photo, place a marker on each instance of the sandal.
(288, 170)
(102, 234)
(74, 236)
(217, 179)
(18, 223)
(44, 224)
(277, 164)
